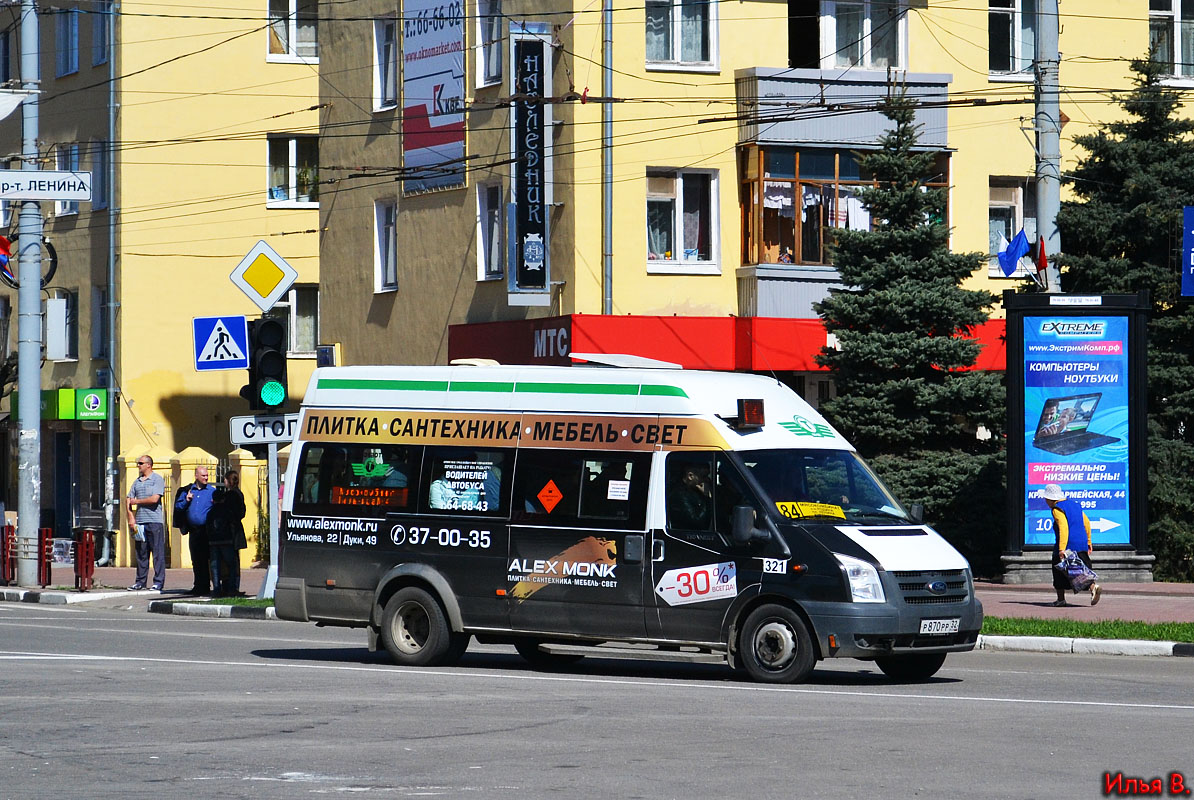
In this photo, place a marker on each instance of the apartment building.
(197, 126)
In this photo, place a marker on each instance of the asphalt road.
(102, 703)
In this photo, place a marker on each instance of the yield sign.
(220, 343)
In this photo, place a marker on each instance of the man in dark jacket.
(195, 505)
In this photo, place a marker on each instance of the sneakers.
(157, 587)
(1096, 592)
(137, 587)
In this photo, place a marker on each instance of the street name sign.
(264, 276)
(221, 343)
(36, 184)
(263, 429)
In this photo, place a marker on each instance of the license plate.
(938, 626)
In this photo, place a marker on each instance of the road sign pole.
(271, 577)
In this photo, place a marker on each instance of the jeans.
(155, 544)
(225, 576)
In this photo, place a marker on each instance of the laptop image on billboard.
(1064, 426)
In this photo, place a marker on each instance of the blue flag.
(1009, 259)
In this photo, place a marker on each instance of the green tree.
(1124, 234)
(905, 394)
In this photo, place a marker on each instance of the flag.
(5, 251)
(1039, 258)
(10, 101)
(1009, 259)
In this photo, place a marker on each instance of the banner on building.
(529, 246)
(432, 95)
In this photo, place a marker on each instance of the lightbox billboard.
(432, 95)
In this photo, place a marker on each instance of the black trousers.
(200, 558)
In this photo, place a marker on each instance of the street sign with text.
(36, 184)
(263, 429)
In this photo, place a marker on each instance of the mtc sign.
(263, 429)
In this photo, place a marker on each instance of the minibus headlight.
(865, 586)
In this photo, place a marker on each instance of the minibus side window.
(357, 479)
(576, 489)
(702, 491)
(731, 490)
(462, 480)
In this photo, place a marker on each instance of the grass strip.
(250, 602)
(1105, 629)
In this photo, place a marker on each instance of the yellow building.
(215, 149)
(734, 129)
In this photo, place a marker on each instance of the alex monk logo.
(1072, 329)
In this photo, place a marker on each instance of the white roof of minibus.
(790, 422)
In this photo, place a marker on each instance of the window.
(681, 32)
(385, 74)
(358, 479)
(385, 214)
(567, 488)
(682, 221)
(66, 157)
(5, 56)
(846, 33)
(1012, 208)
(1171, 34)
(99, 175)
(702, 491)
(293, 29)
(61, 332)
(101, 16)
(293, 170)
(66, 41)
(801, 195)
(463, 481)
(491, 231)
(489, 33)
(99, 322)
(1011, 29)
(299, 309)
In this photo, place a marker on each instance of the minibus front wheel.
(414, 629)
(775, 646)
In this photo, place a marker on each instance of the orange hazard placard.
(550, 496)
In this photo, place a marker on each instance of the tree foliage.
(905, 394)
(1124, 234)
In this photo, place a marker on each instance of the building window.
(385, 72)
(99, 322)
(101, 16)
(491, 231)
(293, 26)
(489, 33)
(681, 32)
(386, 258)
(1170, 33)
(792, 197)
(61, 333)
(99, 175)
(293, 170)
(1011, 28)
(862, 33)
(1011, 208)
(299, 309)
(682, 221)
(5, 56)
(66, 158)
(66, 41)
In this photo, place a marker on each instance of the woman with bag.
(1068, 516)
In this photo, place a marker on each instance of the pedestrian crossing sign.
(221, 343)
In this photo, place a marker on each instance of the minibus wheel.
(775, 646)
(414, 629)
(915, 667)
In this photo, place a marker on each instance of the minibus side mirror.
(917, 512)
(742, 526)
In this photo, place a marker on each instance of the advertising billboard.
(432, 95)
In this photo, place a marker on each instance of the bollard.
(8, 554)
(84, 559)
(45, 555)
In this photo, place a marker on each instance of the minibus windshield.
(823, 484)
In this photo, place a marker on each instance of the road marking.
(513, 676)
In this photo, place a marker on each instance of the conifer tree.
(1124, 234)
(904, 394)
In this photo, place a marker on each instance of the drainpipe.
(111, 479)
(607, 158)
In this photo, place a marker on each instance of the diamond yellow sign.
(264, 276)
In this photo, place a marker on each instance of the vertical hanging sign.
(1188, 251)
(530, 245)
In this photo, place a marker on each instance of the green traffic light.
(272, 393)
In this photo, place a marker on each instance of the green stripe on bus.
(663, 391)
(482, 386)
(501, 386)
(577, 388)
(383, 385)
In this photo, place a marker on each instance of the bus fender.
(408, 574)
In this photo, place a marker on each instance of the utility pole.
(607, 158)
(29, 315)
(1048, 135)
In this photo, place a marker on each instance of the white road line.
(516, 676)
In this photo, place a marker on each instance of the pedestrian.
(235, 503)
(1068, 522)
(221, 542)
(196, 505)
(147, 521)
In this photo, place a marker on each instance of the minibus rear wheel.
(915, 667)
(775, 646)
(414, 629)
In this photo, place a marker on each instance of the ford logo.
(935, 587)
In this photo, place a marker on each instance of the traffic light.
(266, 389)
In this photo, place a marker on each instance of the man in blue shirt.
(196, 505)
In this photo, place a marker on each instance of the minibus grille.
(914, 587)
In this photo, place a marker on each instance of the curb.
(56, 597)
(183, 609)
(1102, 647)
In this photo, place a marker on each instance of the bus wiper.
(878, 512)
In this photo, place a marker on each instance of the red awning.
(754, 344)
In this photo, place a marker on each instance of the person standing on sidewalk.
(196, 504)
(236, 513)
(148, 521)
(1068, 523)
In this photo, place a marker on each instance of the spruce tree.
(1124, 234)
(905, 396)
